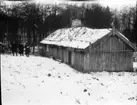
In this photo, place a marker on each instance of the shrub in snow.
(102, 84)
(85, 90)
(67, 75)
(131, 98)
(78, 101)
(95, 78)
(49, 74)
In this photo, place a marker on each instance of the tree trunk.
(34, 40)
(28, 35)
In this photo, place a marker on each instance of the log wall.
(111, 55)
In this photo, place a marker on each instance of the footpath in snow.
(43, 81)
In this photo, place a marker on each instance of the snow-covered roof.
(75, 37)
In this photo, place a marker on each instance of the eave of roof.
(125, 39)
(81, 37)
(74, 44)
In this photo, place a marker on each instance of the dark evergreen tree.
(3, 22)
(134, 31)
(107, 17)
(98, 17)
(116, 23)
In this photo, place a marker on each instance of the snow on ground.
(43, 81)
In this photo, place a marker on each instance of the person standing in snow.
(21, 49)
(27, 50)
(14, 48)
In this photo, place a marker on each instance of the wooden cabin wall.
(114, 44)
(87, 62)
(43, 50)
(111, 55)
(60, 53)
(78, 60)
(73, 59)
(54, 52)
(50, 53)
(107, 61)
(66, 56)
(56, 55)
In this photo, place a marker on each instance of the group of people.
(21, 48)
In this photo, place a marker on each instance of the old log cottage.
(89, 50)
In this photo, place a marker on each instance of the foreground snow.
(43, 81)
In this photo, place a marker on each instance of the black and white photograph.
(68, 52)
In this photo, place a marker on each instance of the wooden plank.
(111, 55)
(73, 58)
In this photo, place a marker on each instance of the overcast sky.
(116, 4)
(111, 3)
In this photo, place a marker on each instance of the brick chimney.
(76, 23)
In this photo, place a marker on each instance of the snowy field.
(43, 81)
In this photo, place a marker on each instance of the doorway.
(69, 57)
